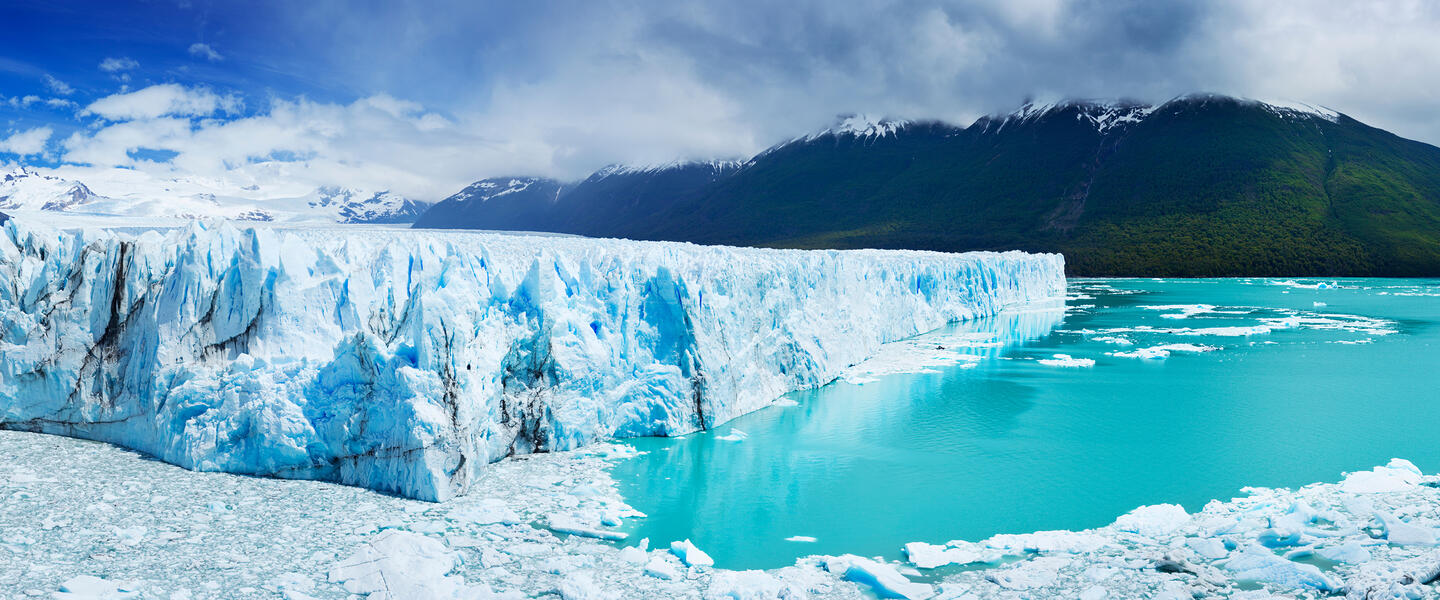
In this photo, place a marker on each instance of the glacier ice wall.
(405, 361)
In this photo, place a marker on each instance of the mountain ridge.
(1201, 185)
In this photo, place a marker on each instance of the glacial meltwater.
(1004, 425)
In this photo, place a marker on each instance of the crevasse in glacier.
(404, 361)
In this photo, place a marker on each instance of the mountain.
(350, 206)
(26, 190)
(510, 203)
(1198, 186)
(606, 201)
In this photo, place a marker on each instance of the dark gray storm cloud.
(440, 93)
(705, 78)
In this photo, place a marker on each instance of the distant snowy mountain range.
(24, 189)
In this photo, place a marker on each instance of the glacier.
(406, 361)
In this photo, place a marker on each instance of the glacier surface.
(405, 361)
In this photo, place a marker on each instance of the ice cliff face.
(405, 361)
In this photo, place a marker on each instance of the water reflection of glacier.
(785, 470)
(963, 344)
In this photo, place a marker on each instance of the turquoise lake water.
(1300, 382)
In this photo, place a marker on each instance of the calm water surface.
(1344, 379)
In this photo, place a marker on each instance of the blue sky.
(422, 97)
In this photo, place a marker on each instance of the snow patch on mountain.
(1300, 109)
(404, 361)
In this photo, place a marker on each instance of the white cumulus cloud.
(162, 100)
(377, 143)
(29, 142)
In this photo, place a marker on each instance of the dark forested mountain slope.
(1197, 186)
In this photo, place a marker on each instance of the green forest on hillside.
(1199, 187)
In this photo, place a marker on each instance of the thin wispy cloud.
(161, 101)
(114, 65)
(57, 86)
(204, 51)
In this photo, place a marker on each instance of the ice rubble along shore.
(405, 361)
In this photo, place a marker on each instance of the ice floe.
(883, 578)
(1162, 351)
(89, 587)
(690, 555)
(1065, 360)
(1183, 311)
(1396, 476)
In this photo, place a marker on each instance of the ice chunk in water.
(1065, 360)
(487, 511)
(690, 555)
(397, 565)
(1154, 521)
(1405, 534)
(1349, 552)
(89, 587)
(1257, 563)
(882, 578)
(751, 585)
(660, 568)
(929, 556)
(1398, 475)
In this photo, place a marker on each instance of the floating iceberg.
(690, 555)
(1065, 360)
(405, 361)
(1161, 351)
(882, 578)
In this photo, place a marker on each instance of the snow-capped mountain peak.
(854, 126)
(352, 206)
(716, 166)
(862, 126)
(24, 189)
(1111, 115)
(486, 190)
(1103, 115)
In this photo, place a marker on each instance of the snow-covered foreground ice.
(406, 361)
(103, 522)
